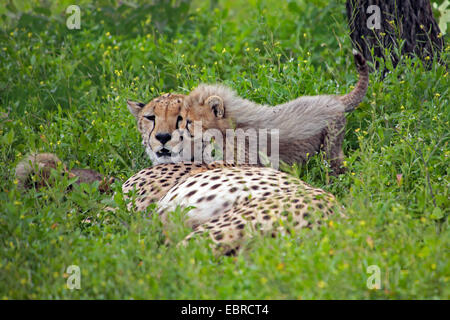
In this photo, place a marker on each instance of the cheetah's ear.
(135, 107)
(216, 105)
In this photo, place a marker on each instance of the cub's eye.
(179, 119)
(151, 118)
(189, 121)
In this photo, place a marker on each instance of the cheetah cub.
(34, 171)
(306, 125)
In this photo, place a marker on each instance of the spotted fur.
(231, 203)
(283, 213)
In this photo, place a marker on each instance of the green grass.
(65, 92)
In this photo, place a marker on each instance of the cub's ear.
(216, 105)
(135, 107)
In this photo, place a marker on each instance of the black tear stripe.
(141, 127)
(150, 135)
(179, 119)
(188, 122)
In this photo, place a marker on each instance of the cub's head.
(206, 125)
(208, 112)
(213, 105)
(160, 123)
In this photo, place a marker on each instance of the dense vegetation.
(64, 91)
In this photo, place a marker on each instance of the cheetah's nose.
(163, 137)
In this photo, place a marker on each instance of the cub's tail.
(352, 99)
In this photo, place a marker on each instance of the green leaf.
(437, 214)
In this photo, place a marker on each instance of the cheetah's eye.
(179, 119)
(151, 118)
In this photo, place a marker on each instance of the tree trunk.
(387, 21)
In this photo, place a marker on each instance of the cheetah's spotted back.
(231, 203)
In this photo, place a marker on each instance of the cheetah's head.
(161, 123)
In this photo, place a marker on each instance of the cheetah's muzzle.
(163, 153)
